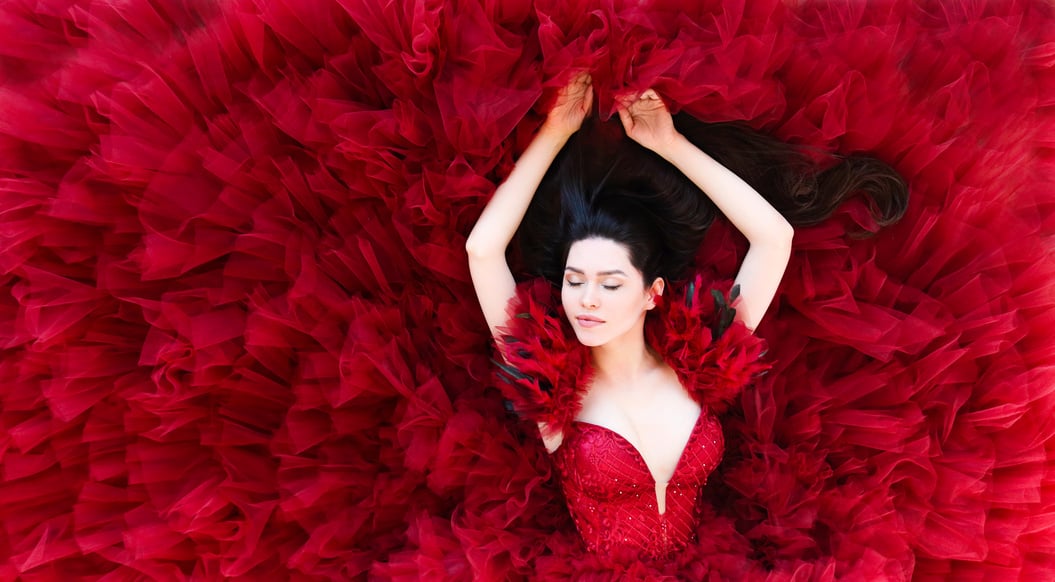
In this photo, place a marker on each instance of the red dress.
(238, 328)
(610, 491)
(612, 494)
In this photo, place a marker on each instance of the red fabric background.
(239, 339)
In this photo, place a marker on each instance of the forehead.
(598, 254)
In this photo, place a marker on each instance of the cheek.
(628, 305)
(569, 299)
(565, 295)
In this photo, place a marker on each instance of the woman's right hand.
(574, 102)
(647, 121)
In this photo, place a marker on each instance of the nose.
(589, 297)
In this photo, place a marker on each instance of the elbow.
(476, 249)
(473, 248)
(784, 232)
(784, 236)
(779, 234)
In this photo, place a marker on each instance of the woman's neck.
(623, 360)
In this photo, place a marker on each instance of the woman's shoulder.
(541, 366)
(698, 336)
(534, 314)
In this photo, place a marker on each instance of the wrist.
(555, 131)
(669, 147)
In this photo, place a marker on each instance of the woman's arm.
(486, 245)
(647, 121)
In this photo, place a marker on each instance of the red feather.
(546, 369)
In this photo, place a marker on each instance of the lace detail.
(612, 494)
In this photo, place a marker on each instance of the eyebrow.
(602, 273)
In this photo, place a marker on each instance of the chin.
(590, 340)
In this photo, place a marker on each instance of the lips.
(588, 321)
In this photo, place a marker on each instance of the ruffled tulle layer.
(239, 339)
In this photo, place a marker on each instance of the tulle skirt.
(240, 340)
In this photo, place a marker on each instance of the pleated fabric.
(240, 341)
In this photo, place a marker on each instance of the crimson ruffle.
(713, 355)
(240, 341)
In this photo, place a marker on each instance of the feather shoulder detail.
(713, 355)
(541, 365)
(543, 369)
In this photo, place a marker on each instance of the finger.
(649, 94)
(589, 98)
(570, 85)
(627, 99)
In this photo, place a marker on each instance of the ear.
(655, 290)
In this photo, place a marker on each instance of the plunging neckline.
(641, 457)
(677, 464)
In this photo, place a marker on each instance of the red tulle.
(240, 340)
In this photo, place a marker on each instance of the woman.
(629, 413)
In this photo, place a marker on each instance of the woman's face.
(604, 296)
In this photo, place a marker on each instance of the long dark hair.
(605, 185)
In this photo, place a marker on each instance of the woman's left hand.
(647, 120)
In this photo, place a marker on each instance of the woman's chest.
(604, 465)
(650, 427)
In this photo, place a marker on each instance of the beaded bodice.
(612, 494)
